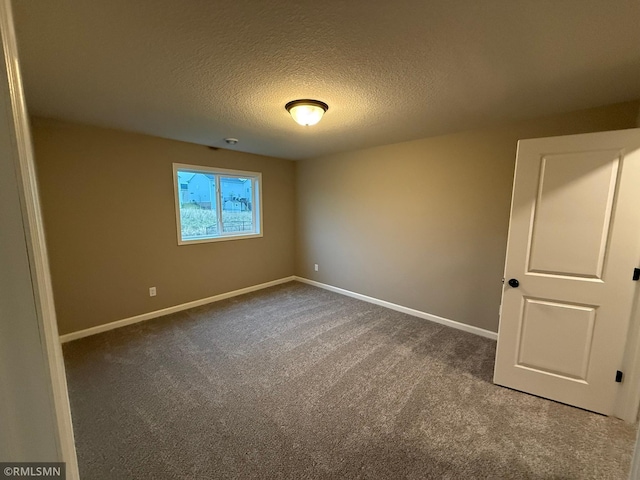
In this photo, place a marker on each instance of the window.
(214, 204)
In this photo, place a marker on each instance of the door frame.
(627, 406)
(22, 152)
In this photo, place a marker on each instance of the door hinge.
(619, 376)
(636, 274)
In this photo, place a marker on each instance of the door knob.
(514, 283)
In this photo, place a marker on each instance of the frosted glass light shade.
(306, 112)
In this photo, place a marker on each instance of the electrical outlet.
(315, 267)
(152, 291)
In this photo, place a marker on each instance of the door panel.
(555, 338)
(574, 239)
(566, 240)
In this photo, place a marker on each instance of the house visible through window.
(216, 204)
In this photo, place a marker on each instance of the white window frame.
(256, 209)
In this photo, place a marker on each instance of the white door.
(574, 241)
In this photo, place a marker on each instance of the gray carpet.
(295, 382)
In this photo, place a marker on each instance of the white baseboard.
(166, 311)
(216, 298)
(410, 311)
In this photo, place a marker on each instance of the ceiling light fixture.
(306, 112)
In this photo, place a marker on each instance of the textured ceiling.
(200, 71)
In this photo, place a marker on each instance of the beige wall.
(108, 206)
(424, 223)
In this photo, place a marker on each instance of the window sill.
(218, 239)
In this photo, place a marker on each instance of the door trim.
(34, 233)
(627, 404)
